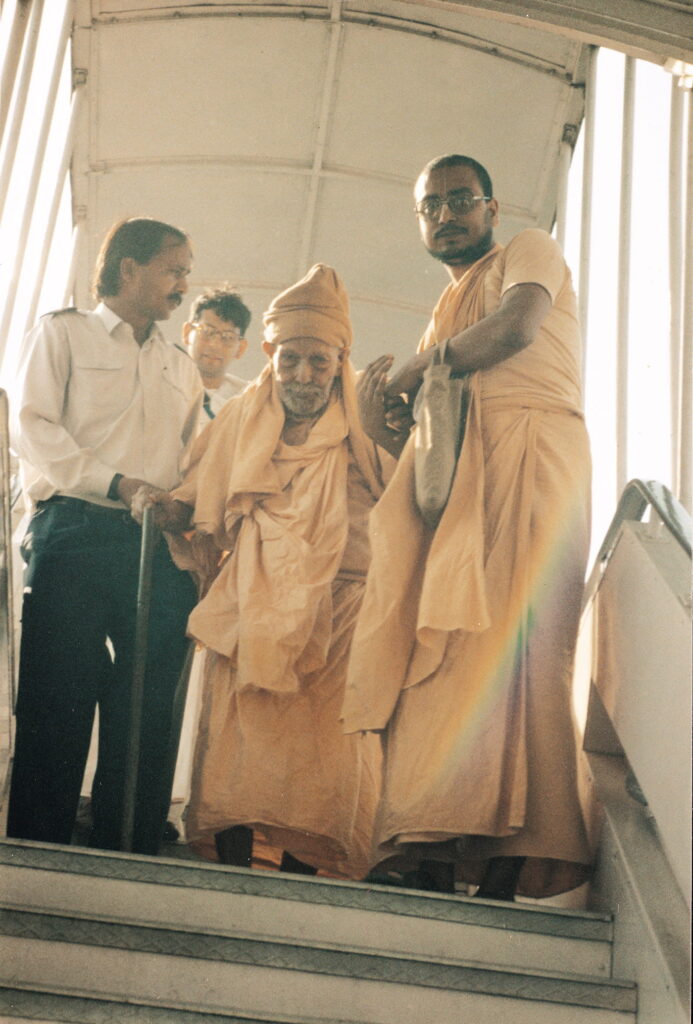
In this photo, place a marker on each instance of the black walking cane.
(150, 536)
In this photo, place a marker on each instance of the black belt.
(84, 507)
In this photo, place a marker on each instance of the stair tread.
(303, 956)
(163, 871)
(85, 1008)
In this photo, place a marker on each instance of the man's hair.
(140, 238)
(227, 304)
(456, 160)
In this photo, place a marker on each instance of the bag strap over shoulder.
(440, 351)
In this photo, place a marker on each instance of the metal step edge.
(33, 1003)
(305, 942)
(551, 921)
(546, 986)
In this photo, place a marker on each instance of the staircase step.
(35, 1004)
(236, 903)
(212, 973)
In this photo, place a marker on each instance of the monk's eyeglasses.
(457, 203)
(209, 332)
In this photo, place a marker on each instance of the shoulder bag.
(440, 412)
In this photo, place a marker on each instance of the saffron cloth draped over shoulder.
(279, 509)
(280, 547)
(463, 649)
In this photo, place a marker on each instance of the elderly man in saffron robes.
(464, 646)
(279, 491)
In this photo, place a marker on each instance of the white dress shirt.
(229, 388)
(93, 403)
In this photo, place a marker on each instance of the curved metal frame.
(637, 496)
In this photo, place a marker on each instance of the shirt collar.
(111, 320)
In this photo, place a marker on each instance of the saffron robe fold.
(463, 650)
(280, 548)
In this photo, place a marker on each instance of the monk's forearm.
(477, 348)
(498, 336)
(503, 333)
(483, 345)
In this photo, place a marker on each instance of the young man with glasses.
(215, 337)
(462, 655)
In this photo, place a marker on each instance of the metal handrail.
(637, 496)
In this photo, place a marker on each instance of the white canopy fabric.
(279, 135)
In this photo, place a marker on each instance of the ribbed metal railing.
(637, 497)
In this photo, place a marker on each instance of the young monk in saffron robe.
(464, 648)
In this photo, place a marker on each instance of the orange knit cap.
(317, 306)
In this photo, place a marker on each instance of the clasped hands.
(385, 413)
(169, 514)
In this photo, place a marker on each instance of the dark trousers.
(81, 587)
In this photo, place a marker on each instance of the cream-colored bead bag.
(440, 413)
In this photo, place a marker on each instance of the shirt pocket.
(101, 388)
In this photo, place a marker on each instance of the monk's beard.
(467, 254)
(304, 400)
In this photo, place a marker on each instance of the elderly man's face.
(305, 370)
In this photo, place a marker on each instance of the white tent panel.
(208, 87)
(242, 224)
(278, 141)
(368, 230)
(379, 329)
(403, 99)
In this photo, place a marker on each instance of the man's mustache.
(176, 297)
(450, 229)
(303, 389)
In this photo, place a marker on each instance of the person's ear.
(242, 346)
(128, 268)
(340, 363)
(187, 328)
(269, 349)
(493, 209)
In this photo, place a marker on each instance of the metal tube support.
(327, 91)
(11, 137)
(69, 289)
(13, 52)
(624, 259)
(686, 414)
(32, 189)
(676, 197)
(586, 212)
(6, 592)
(77, 98)
(150, 536)
(564, 157)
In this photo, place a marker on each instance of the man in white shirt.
(215, 337)
(104, 409)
